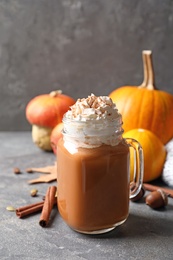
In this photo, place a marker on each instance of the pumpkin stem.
(148, 81)
(55, 93)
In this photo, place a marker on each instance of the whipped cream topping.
(92, 121)
(93, 107)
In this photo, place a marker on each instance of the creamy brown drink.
(93, 167)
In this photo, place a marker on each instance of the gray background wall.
(79, 46)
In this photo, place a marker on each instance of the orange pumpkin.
(44, 112)
(145, 106)
(48, 109)
(154, 153)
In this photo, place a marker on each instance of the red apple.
(56, 134)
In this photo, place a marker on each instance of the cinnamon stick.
(48, 205)
(29, 209)
(151, 187)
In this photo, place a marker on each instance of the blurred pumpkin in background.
(145, 106)
(154, 153)
(44, 112)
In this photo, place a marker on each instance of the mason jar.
(93, 179)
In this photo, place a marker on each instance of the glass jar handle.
(136, 183)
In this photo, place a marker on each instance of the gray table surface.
(147, 233)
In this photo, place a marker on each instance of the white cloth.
(167, 174)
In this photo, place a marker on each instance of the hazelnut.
(16, 170)
(157, 199)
